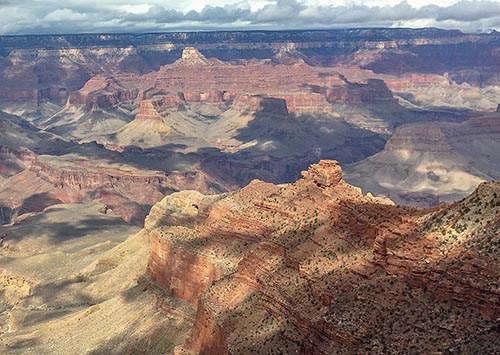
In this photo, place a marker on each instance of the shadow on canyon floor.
(58, 232)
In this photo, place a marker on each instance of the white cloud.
(48, 16)
(135, 9)
(64, 15)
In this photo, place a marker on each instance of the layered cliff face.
(126, 191)
(323, 46)
(67, 65)
(148, 129)
(318, 267)
(231, 107)
(432, 90)
(104, 108)
(429, 163)
(101, 92)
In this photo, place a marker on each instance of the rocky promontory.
(317, 267)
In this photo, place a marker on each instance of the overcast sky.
(72, 16)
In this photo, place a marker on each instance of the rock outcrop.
(318, 267)
(324, 174)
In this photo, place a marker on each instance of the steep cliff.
(318, 267)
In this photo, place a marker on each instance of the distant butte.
(192, 56)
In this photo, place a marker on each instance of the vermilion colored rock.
(318, 267)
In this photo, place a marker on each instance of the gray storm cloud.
(73, 16)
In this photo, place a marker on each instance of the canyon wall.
(318, 267)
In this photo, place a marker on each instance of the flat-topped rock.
(324, 174)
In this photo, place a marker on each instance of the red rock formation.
(148, 111)
(128, 193)
(102, 93)
(410, 81)
(306, 102)
(222, 82)
(316, 267)
(324, 174)
(32, 73)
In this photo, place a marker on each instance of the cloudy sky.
(72, 16)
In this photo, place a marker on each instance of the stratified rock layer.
(424, 164)
(318, 267)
